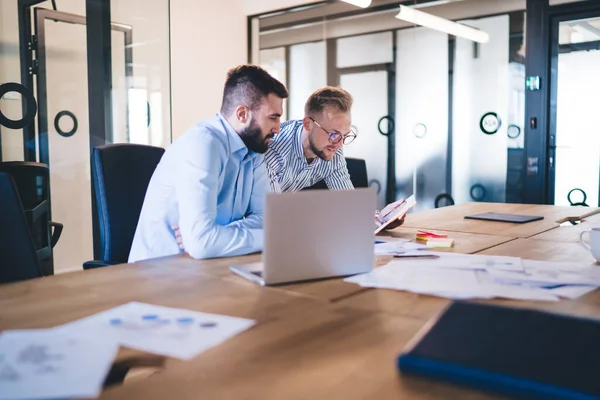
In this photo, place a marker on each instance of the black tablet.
(501, 217)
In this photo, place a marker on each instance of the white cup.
(594, 246)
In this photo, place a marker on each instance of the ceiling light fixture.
(359, 3)
(441, 24)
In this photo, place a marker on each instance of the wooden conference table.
(325, 339)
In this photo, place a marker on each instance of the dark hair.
(328, 96)
(248, 85)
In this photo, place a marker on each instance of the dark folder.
(504, 217)
(516, 352)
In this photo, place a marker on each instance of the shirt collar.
(235, 141)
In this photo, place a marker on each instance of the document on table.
(461, 276)
(469, 261)
(49, 364)
(161, 330)
(550, 274)
(397, 247)
(444, 282)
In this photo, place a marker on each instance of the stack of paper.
(72, 360)
(461, 276)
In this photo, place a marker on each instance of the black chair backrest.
(32, 182)
(18, 257)
(357, 168)
(121, 173)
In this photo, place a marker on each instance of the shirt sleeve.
(254, 218)
(196, 186)
(272, 167)
(339, 179)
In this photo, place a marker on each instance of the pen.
(415, 256)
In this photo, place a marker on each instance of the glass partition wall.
(437, 116)
(44, 67)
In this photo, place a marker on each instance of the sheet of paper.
(397, 247)
(469, 261)
(48, 364)
(548, 274)
(445, 282)
(161, 330)
(572, 291)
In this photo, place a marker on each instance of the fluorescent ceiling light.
(359, 3)
(441, 24)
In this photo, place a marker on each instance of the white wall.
(253, 7)
(207, 39)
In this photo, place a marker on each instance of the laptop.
(315, 234)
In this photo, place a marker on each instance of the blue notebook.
(516, 352)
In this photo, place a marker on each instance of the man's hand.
(178, 237)
(394, 224)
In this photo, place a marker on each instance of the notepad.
(433, 239)
(440, 242)
(512, 351)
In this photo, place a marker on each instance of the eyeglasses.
(335, 137)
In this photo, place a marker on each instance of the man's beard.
(319, 153)
(252, 138)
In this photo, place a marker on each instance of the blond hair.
(328, 96)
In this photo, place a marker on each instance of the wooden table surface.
(325, 339)
(568, 232)
(452, 218)
(329, 289)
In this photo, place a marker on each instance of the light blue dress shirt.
(210, 185)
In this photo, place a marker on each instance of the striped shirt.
(290, 172)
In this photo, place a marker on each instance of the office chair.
(120, 175)
(18, 256)
(357, 168)
(33, 187)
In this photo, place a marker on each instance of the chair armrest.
(56, 232)
(98, 264)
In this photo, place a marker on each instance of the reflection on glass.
(273, 60)
(421, 115)
(577, 121)
(370, 91)
(308, 73)
(365, 50)
(10, 104)
(481, 87)
(140, 100)
(150, 71)
(138, 116)
(580, 31)
(69, 157)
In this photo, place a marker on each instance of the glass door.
(370, 92)
(63, 121)
(574, 134)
